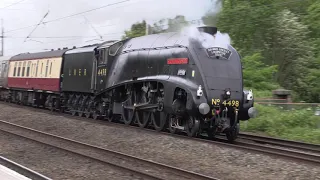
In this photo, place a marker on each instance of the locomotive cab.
(104, 56)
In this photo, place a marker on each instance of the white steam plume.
(207, 40)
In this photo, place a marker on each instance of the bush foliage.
(258, 75)
(300, 125)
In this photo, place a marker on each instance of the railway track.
(22, 170)
(291, 154)
(313, 148)
(275, 147)
(141, 167)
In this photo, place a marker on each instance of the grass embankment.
(300, 124)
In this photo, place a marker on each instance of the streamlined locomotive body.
(169, 81)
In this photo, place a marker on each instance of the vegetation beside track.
(298, 124)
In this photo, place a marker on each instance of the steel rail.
(314, 148)
(142, 167)
(255, 147)
(22, 169)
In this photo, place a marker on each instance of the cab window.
(101, 56)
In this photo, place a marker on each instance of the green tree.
(136, 30)
(256, 74)
(291, 50)
(312, 19)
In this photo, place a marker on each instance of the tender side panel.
(77, 72)
(37, 74)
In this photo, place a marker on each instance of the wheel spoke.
(143, 118)
(159, 120)
(127, 116)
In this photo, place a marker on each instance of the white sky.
(109, 21)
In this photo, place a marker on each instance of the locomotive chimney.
(208, 29)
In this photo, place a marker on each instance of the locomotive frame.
(163, 80)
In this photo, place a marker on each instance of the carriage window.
(28, 69)
(15, 69)
(37, 68)
(31, 70)
(50, 68)
(34, 69)
(23, 69)
(47, 66)
(41, 69)
(19, 68)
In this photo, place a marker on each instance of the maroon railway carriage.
(33, 77)
(36, 71)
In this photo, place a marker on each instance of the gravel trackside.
(205, 158)
(55, 163)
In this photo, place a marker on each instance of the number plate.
(217, 51)
(231, 103)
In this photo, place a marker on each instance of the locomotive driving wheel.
(128, 111)
(127, 115)
(143, 116)
(159, 120)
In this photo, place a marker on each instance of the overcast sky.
(109, 21)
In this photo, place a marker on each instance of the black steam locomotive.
(168, 81)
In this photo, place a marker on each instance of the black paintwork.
(145, 58)
(78, 70)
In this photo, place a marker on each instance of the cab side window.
(101, 56)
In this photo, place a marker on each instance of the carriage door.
(102, 59)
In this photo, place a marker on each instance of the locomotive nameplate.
(232, 103)
(215, 52)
